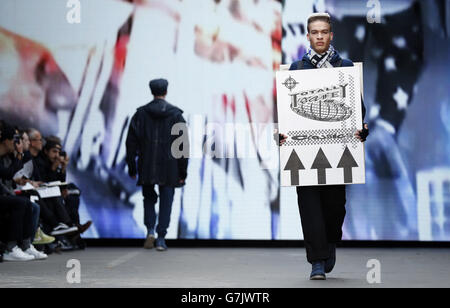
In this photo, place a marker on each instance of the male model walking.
(150, 139)
(322, 208)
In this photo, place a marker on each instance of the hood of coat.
(159, 108)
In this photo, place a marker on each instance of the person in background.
(20, 179)
(22, 221)
(150, 140)
(50, 166)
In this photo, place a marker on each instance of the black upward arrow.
(347, 162)
(321, 163)
(294, 164)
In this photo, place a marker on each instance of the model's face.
(320, 36)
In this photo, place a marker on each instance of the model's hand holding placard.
(320, 112)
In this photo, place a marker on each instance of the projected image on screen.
(407, 154)
(88, 84)
(83, 82)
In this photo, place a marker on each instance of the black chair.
(2, 236)
(2, 251)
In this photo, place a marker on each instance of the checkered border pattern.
(348, 132)
(353, 106)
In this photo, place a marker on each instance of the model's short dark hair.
(320, 17)
(7, 131)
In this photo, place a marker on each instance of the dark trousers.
(19, 224)
(53, 212)
(72, 202)
(72, 206)
(35, 215)
(322, 212)
(165, 208)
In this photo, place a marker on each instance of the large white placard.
(320, 111)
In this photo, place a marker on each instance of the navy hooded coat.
(150, 139)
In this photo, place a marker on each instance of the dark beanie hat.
(159, 87)
(7, 132)
(52, 142)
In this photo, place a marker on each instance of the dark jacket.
(336, 61)
(150, 139)
(42, 170)
(9, 165)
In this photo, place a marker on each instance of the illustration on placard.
(290, 83)
(320, 111)
(322, 104)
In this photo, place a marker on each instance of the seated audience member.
(55, 219)
(36, 142)
(50, 165)
(22, 178)
(26, 146)
(20, 221)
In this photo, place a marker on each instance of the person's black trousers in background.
(72, 202)
(322, 212)
(72, 207)
(20, 224)
(53, 212)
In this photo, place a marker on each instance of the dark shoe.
(66, 245)
(78, 243)
(54, 247)
(331, 261)
(160, 244)
(63, 229)
(318, 271)
(83, 228)
(149, 242)
(2, 251)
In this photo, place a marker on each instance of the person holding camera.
(50, 166)
(57, 172)
(22, 178)
(23, 214)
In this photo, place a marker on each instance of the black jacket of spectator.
(9, 166)
(42, 170)
(26, 157)
(150, 139)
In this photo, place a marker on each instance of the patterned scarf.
(323, 60)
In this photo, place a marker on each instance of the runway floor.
(230, 268)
